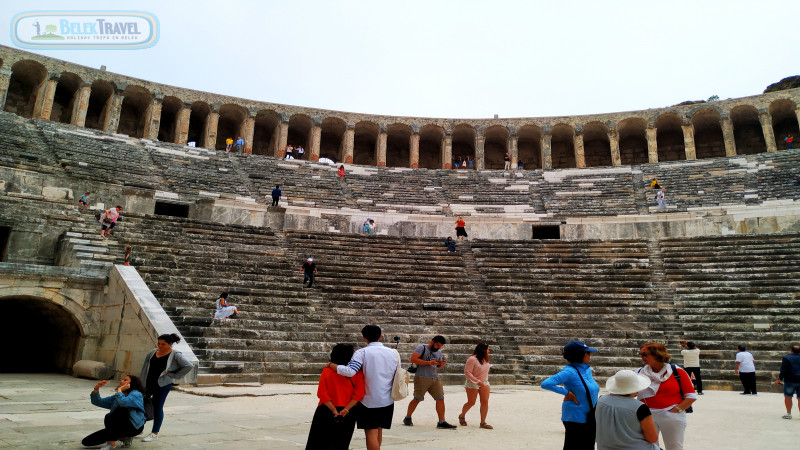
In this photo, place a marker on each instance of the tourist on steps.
(476, 370)
(127, 260)
(239, 144)
(276, 195)
(429, 359)
(333, 424)
(225, 309)
(300, 152)
(507, 162)
(108, 220)
(126, 418)
(309, 271)
(340, 172)
(228, 144)
(661, 198)
(450, 244)
(691, 363)
(789, 140)
(161, 367)
(746, 369)
(461, 232)
(576, 383)
(84, 200)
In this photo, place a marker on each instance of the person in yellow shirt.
(228, 144)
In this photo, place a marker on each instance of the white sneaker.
(786, 416)
(150, 437)
(108, 446)
(126, 442)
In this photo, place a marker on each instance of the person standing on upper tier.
(691, 363)
(790, 374)
(507, 162)
(239, 144)
(461, 232)
(746, 368)
(661, 198)
(228, 144)
(300, 152)
(276, 195)
(789, 140)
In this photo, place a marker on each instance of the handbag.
(688, 410)
(413, 367)
(149, 409)
(400, 382)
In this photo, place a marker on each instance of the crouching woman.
(126, 418)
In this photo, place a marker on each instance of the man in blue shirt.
(276, 195)
(790, 374)
(239, 144)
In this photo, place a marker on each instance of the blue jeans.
(308, 277)
(159, 394)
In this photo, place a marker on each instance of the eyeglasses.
(644, 354)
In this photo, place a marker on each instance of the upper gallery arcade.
(35, 86)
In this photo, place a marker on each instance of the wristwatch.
(679, 409)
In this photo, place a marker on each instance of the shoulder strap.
(678, 379)
(585, 387)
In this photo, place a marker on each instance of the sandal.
(462, 421)
(487, 426)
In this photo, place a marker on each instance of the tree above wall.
(786, 83)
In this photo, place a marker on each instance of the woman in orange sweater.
(333, 424)
(477, 372)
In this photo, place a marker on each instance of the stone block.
(56, 193)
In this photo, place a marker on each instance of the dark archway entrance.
(23, 87)
(67, 92)
(633, 141)
(48, 331)
(170, 109)
(99, 104)
(747, 131)
(669, 136)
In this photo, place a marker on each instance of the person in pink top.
(477, 372)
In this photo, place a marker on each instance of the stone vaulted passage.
(747, 131)
(529, 147)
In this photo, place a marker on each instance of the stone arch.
(332, 138)
(230, 125)
(55, 325)
(495, 146)
(747, 131)
(170, 109)
(529, 146)
(708, 139)
(197, 124)
(24, 87)
(463, 141)
(100, 98)
(669, 138)
(596, 146)
(365, 140)
(300, 132)
(430, 147)
(67, 94)
(398, 145)
(135, 102)
(784, 121)
(266, 130)
(563, 146)
(632, 135)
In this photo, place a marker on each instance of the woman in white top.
(477, 372)
(225, 310)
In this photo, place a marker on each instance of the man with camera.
(429, 359)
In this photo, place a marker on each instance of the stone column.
(513, 151)
(580, 158)
(210, 130)
(380, 150)
(413, 147)
(5, 78)
(182, 124)
(152, 121)
(652, 145)
(613, 142)
(546, 145)
(44, 99)
(316, 139)
(796, 113)
(249, 132)
(113, 110)
(283, 136)
(688, 141)
(348, 144)
(447, 150)
(766, 128)
(81, 106)
(480, 150)
(727, 135)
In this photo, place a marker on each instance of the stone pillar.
(613, 142)
(796, 113)
(447, 150)
(580, 158)
(688, 141)
(5, 78)
(113, 110)
(380, 150)
(348, 144)
(413, 153)
(546, 145)
(249, 132)
(727, 135)
(152, 120)
(283, 136)
(766, 128)
(513, 151)
(480, 150)
(182, 124)
(81, 106)
(316, 139)
(44, 98)
(652, 145)
(210, 130)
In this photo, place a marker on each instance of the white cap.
(627, 382)
(309, 259)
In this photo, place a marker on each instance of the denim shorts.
(471, 385)
(790, 389)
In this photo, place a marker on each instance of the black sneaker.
(445, 426)
(407, 422)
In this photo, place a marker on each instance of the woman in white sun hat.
(623, 422)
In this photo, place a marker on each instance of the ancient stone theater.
(571, 245)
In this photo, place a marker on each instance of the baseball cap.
(578, 346)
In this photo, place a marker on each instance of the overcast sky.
(460, 59)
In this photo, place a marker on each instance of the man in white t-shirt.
(691, 362)
(378, 363)
(746, 368)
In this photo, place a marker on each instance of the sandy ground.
(47, 411)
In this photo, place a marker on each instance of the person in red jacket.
(333, 423)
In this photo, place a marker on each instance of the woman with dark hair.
(669, 395)
(225, 309)
(477, 372)
(576, 384)
(333, 424)
(126, 418)
(161, 367)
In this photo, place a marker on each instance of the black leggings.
(579, 436)
(118, 425)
